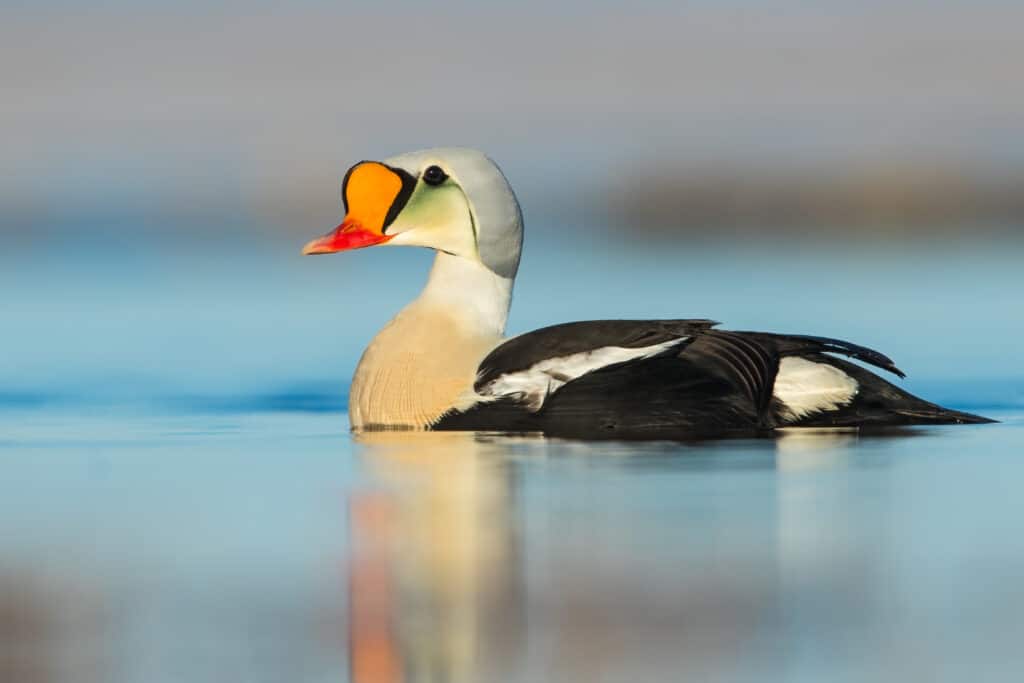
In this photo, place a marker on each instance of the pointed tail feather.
(879, 403)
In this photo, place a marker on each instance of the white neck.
(468, 291)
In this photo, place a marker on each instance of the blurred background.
(847, 169)
(850, 169)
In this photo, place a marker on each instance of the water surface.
(269, 546)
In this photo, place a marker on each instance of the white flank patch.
(807, 387)
(540, 380)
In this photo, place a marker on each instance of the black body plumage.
(712, 384)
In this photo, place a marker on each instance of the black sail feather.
(797, 344)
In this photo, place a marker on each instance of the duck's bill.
(348, 235)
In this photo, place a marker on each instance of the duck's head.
(453, 200)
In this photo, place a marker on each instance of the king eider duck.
(443, 363)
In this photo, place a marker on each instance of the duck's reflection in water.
(481, 558)
(813, 449)
(433, 594)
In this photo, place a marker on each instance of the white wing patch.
(534, 384)
(807, 387)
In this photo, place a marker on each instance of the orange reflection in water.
(432, 546)
(374, 653)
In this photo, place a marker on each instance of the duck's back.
(681, 379)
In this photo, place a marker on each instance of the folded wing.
(682, 379)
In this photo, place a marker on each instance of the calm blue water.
(273, 546)
(122, 316)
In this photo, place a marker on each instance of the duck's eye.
(434, 175)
